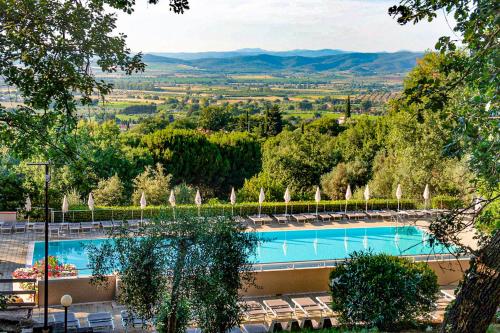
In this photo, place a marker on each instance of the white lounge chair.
(101, 321)
(253, 311)
(7, 227)
(20, 227)
(74, 228)
(307, 307)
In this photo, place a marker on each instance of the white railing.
(275, 266)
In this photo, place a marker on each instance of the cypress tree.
(274, 123)
(347, 113)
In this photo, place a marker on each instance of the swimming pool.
(287, 246)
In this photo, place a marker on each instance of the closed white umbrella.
(399, 194)
(27, 206)
(262, 197)
(367, 196)
(143, 204)
(171, 200)
(348, 196)
(317, 198)
(232, 198)
(197, 200)
(287, 199)
(426, 195)
(65, 207)
(90, 203)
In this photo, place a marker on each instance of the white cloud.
(358, 25)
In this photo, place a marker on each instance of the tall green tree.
(347, 112)
(469, 95)
(273, 121)
(214, 118)
(208, 261)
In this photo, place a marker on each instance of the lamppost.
(66, 301)
(46, 268)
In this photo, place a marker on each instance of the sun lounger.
(20, 227)
(310, 217)
(253, 311)
(54, 229)
(373, 214)
(299, 218)
(266, 218)
(279, 308)
(117, 224)
(337, 216)
(130, 320)
(74, 228)
(386, 214)
(325, 302)
(39, 227)
(281, 218)
(325, 217)
(107, 225)
(58, 318)
(256, 219)
(133, 225)
(308, 307)
(7, 227)
(86, 227)
(101, 321)
(355, 215)
(96, 225)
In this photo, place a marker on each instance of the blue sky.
(217, 25)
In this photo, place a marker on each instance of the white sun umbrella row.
(399, 194)
(198, 201)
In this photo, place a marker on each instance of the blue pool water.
(287, 246)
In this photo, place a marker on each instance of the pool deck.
(14, 250)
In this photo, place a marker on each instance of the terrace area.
(16, 246)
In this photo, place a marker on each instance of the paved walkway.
(14, 249)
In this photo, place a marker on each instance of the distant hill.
(397, 62)
(246, 52)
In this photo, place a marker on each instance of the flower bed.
(56, 270)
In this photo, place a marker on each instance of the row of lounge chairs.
(98, 322)
(338, 216)
(57, 229)
(277, 314)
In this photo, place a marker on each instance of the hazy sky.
(215, 25)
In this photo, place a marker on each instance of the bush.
(382, 291)
(184, 194)
(446, 202)
(109, 192)
(154, 183)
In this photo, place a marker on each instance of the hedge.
(81, 214)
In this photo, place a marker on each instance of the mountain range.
(362, 63)
(247, 52)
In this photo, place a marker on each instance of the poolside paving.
(14, 250)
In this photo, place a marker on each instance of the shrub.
(109, 192)
(382, 291)
(154, 183)
(74, 198)
(184, 194)
(446, 202)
